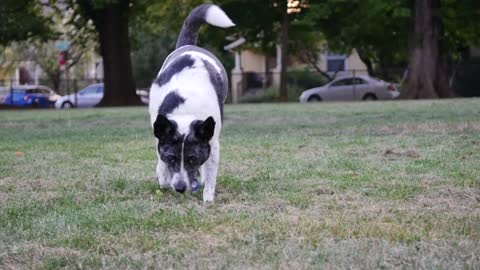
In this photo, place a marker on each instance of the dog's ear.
(163, 128)
(204, 130)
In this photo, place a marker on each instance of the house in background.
(19, 72)
(255, 70)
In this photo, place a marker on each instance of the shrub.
(297, 82)
(306, 79)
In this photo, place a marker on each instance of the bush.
(306, 79)
(272, 94)
(297, 82)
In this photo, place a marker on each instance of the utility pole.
(284, 45)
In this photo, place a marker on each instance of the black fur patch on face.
(169, 143)
(170, 103)
(175, 67)
(196, 148)
(170, 152)
(164, 129)
(195, 153)
(203, 130)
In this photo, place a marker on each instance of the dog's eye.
(191, 160)
(171, 159)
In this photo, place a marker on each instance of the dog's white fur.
(216, 16)
(201, 102)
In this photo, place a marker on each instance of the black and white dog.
(186, 108)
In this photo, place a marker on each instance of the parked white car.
(85, 98)
(351, 88)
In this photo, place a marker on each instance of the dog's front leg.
(162, 175)
(209, 172)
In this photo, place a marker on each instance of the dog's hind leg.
(209, 172)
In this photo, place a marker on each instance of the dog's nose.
(180, 186)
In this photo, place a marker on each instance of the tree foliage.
(461, 20)
(376, 29)
(154, 34)
(22, 20)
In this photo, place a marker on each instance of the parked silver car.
(85, 98)
(351, 88)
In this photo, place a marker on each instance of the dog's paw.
(208, 194)
(207, 199)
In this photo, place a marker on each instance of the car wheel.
(67, 105)
(370, 97)
(314, 98)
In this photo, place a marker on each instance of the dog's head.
(183, 150)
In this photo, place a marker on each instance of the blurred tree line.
(424, 37)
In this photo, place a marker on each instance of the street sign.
(62, 45)
(62, 58)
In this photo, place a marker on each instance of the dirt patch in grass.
(392, 153)
(418, 128)
(35, 256)
(38, 190)
(454, 200)
(446, 200)
(12, 184)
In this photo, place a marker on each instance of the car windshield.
(30, 91)
(38, 91)
(342, 82)
(18, 90)
(358, 81)
(89, 90)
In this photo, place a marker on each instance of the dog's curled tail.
(206, 13)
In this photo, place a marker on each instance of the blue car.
(35, 96)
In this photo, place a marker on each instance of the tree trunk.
(427, 73)
(111, 23)
(283, 66)
(366, 60)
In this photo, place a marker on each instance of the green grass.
(339, 185)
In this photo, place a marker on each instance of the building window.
(335, 62)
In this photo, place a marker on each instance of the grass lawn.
(340, 185)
